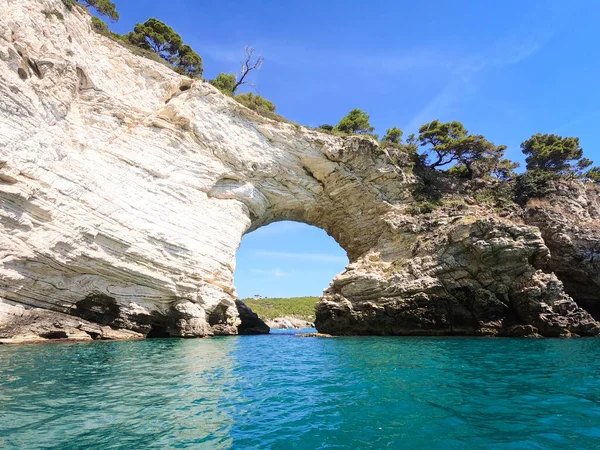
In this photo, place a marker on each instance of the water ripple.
(283, 392)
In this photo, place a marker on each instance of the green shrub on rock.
(154, 35)
(256, 103)
(593, 174)
(553, 153)
(188, 62)
(356, 122)
(99, 25)
(450, 143)
(225, 82)
(535, 184)
(393, 135)
(325, 127)
(69, 4)
(104, 7)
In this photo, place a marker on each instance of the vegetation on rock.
(225, 82)
(163, 40)
(103, 7)
(256, 103)
(593, 174)
(393, 135)
(553, 153)
(356, 122)
(49, 13)
(450, 143)
(99, 25)
(272, 308)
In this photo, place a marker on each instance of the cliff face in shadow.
(125, 190)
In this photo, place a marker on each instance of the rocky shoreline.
(289, 322)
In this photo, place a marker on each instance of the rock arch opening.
(289, 261)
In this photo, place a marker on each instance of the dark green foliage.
(189, 62)
(458, 171)
(356, 122)
(424, 207)
(401, 155)
(325, 127)
(501, 195)
(441, 140)
(505, 170)
(427, 188)
(99, 25)
(104, 7)
(69, 4)
(156, 36)
(393, 135)
(535, 184)
(593, 174)
(271, 308)
(225, 82)
(579, 170)
(450, 143)
(256, 103)
(553, 153)
(49, 13)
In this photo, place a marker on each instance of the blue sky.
(506, 69)
(287, 259)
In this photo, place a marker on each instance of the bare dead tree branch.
(247, 66)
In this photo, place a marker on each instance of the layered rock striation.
(125, 190)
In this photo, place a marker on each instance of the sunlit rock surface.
(125, 190)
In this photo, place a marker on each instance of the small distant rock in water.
(322, 335)
(289, 322)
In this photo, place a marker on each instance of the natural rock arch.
(124, 199)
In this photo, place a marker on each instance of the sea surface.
(284, 392)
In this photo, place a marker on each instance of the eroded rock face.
(470, 277)
(569, 221)
(125, 190)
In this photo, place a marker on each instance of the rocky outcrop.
(289, 322)
(250, 322)
(569, 221)
(28, 325)
(125, 190)
(471, 276)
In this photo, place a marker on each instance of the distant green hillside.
(271, 308)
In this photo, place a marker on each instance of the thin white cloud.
(275, 273)
(314, 257)
(382, 62)
(226, 53)
(507, 50)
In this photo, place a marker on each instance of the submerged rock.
(321, 335)
(125, 190)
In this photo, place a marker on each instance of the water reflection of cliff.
(146, 394)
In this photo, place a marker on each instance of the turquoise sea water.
(285, 392)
